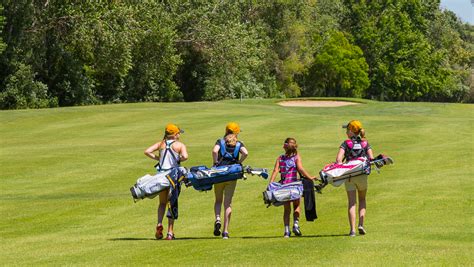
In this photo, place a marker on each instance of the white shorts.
(226, 188)
(356, 183)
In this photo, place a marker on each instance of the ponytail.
(230, 139)
(362, 133)
(290, 146)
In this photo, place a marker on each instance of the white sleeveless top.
(168, 159)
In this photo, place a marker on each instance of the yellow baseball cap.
(232, 127)
(172, 129)
(354, 126)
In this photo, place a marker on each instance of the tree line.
(64, 53)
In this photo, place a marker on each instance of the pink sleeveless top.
(288, 170)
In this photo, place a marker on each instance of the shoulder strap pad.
(222, 146)
(237, 149)
(168, 148)
(168, 145)
(363, 143)
(349, 143)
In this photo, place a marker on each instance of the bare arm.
(340, 156)
(149, 151)
(215, 153)
(370, 153)
(244, 154)
(183, 153)
(299, 166)
(275, 170)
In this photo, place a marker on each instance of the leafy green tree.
(155, 59)
(224, 54)
(90, 52)
(233, 60)
(2, 23)
(467, 34)
(403, 63)
(35, 35)
(18, 16)
(290, 26)
(128, 51)
(23, 91)
(100, 38)
(339, 69)
(449, 38)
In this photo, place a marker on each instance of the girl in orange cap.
(355, 146)
(226, 151)
(171, 153)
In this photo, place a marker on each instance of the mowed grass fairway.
(65, 175)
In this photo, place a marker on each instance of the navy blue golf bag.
(202, 178)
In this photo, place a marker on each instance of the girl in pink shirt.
(289, 165)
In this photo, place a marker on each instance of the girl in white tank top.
(168, 157)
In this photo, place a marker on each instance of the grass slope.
(65, 175)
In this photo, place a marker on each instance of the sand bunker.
(315, 103)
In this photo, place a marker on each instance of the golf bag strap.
(223, 150)
(350, 146)
(222, 147)
(237, 149)
(168, 149)
(301, 175)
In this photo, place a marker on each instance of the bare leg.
(297, 210)
(163, 196)
(351, 208)
(228, 213)
(219, 194)
(162, 206)
(286, 213)
(362, 206)
(170, 226)
(228, 194)
(296, 217)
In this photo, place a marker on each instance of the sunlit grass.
(65, 175)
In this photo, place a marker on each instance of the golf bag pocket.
(149, 186)
(277, 194)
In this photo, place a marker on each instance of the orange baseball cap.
(354, 126)
(172, 129)
(232, 127)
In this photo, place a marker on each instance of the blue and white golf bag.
(149, 186)
(202, 178)
(277, 194)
